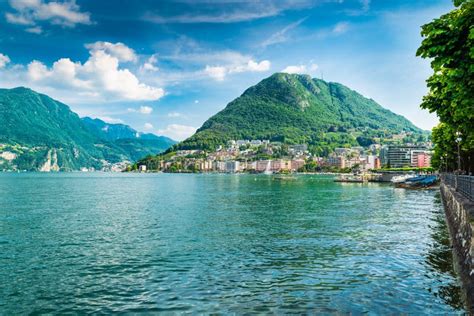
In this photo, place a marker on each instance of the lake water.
(97, 242)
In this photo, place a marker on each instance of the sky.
(165, 66)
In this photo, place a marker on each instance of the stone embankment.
(460, 218)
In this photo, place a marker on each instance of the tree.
(448, 42)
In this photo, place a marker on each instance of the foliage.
(32, 124)
(448, 42)
(298, 109)
(416, 169)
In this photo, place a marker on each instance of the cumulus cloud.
(300, 69)
(174, 114)
(216, 72)
(4, 60)
(220, 72)
(142, 110)
(99, 76)
(150, 64)
(30, 12)
(148, 126)
(177, 131)
(145, 109)
(219, 64)
(118, 50)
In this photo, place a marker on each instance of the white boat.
(402, 178)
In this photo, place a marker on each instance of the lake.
(204, 243)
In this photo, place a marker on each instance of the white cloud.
(29, 12)
(300, 69)
(264, 65)
(220, 72)
(216, 72)
(150, 64)
(4, 60)
(145, 109)
(281, 36)
(340, 28)
(99, 76)
(177, 132)
(148, 126)
(34, 30)
(142, 110)
(196, 101)
(208, 18)
(18, 19)
(110, 120)
(119, 50)
(232, 11)
(174, 114)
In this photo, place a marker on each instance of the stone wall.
(460, 217)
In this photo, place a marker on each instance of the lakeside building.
(263, 165)
(297, 164)
(242, 155)
(232, 166)
(404, 156)
(422, 160)
(336, 161)
(373, 162)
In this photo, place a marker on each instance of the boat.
(284, 177)
(402, 178)
(419, 182)
(351, 178)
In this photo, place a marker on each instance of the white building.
(232, 166)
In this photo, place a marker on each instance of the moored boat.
(352, 178)
(419, 182)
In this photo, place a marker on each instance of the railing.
(462, 184)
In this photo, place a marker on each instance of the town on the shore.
(264, 156)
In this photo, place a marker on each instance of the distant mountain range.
(39, 133)
(294, 109)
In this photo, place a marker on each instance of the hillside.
(298, 109)
(39, 133)
(136, 144)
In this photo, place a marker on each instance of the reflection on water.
(104, 243)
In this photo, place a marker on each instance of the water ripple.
(105, 243)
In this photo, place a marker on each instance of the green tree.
(448, 42)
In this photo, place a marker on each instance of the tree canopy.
(448, 42)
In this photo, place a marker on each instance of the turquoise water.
(102, 243)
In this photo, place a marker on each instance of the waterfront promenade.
(457, 192)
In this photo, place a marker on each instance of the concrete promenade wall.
(460, 218)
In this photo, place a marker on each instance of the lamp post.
(458, 141)
(445, 162)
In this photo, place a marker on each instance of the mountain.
(295, 108)
(136, 144)
(113, 132)
(39, 133)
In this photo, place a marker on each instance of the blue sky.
(167, 66)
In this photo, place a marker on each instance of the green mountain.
(136, 144)
(298, 109)
(39, 133)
